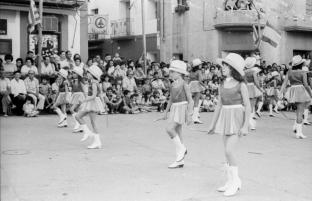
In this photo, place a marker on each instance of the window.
(308, 7)
(5, 46)
(95, 11)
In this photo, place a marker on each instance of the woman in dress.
(298, 93)
(231, 117)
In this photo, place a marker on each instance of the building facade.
(64, 24)
(122, 28)
(211, 29)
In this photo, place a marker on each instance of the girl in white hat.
(253, 86)
(299, 93)
(90, 107)
(78, 94)
(181, 109)
(196, 87)
(62, 98)
(231, 117)
(272, 92)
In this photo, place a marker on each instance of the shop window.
(95, 11)
(5, 46)
(50, 42)
(50, 23)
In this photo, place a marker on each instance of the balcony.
(122, 29)
(295, 24)
(236, 19)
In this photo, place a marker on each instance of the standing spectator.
(32, 88)
(18, 92)
(78, 63)
(110, 68)
(29, 65)
(8, 66)
(47, 68)
(129, 82)
(5, 89)
(19, 63)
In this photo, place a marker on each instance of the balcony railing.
(299, 24)
(236, 18)
(122, 28)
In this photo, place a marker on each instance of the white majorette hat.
(235, 60)
(63, 73)
(78, 71)
(297, 60)
(178, 66)
(250, 62)
(95, 71)
(196, 62)
(274, 73)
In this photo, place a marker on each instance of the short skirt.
(77, 98)
(63, 98)
(272, 91)
(195, 87)
(100, 104)
(297, 94)
(231, 120)
(178, 113)
(253, 91)
(91, 106)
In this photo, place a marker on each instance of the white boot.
(306, 117)
(176, 164)
(299, 133)
(86, 132)
(276, 108)
(96, 144)
(77, 127)
(228, 181)
(236, 183)
(252, 123)
(63, 124)
(258, 112)
(253, 115)
(295, 126)
(60, 114)
(195, 116)
(180, 148)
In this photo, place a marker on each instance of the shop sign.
(98, 24)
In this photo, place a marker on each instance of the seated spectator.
(158, 100)
(156, 68)
(118, 86)
(29, 65)
(119, 71)
(45, 89)
(29, 108)
(47, 68)
(106, 82)
(8, 66)
(5, 89)
(129, 82)
(18, 92)
(139, 74)
(69, 59)
(157, 83)
(126, 103)
(63, 62)
(32, 88)
(19, 63)
(116, 57)
(110, 68)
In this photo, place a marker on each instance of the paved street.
(40, 162)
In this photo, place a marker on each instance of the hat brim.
(178, 70)
(94, 74)
(78, 73)
(296, 64)
(197, 64)
(61, 74)
(230, 63)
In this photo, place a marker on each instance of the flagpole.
(259, 25)
(143, 34)
(40, 36)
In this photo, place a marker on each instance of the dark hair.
(45, 77)
(126, 92)
(8, 56)
(236, 75)
(19, 59)
(28, 98)
(30, 59)
(78, 58)
(28, 52)
(297, 67)
(16, 72)
(195, 68)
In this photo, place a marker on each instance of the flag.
(33, 16)
(255, 35)
(271, 35)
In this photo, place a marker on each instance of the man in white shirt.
(29, 66)
(47, 68)
(18, 92)
(32, 88)
(5, 88)
(128, 83)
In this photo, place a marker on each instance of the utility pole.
(143, 34)
(40, 36)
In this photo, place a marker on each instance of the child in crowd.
(106, 82)
(146, 90)
(29, 108)
(45, 89)
(158, 100)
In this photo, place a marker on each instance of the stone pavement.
(40, 162)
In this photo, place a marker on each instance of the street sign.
(98, 24)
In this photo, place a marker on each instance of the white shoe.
(295, 126)
(252, 124)
(87, 133)
(63, 124)
(181, 153)
(195, 116)
(229, 180)
(306, 122)
(299, 134)
(236, 183)
(96, 142)
(176, 165)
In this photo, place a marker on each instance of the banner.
(271, 35)
(33, 16)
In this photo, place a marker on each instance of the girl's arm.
(283, 86)
(305, 84)
(190, 101)
(246, 102)
(215, 115)
(94, 93)
(168, 107)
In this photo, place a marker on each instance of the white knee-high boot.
(260, 104)
(180, 148)
(61, 115)
(195, 116)
(236, 183)
(295, 126)
(86, 132)
(77, 127)
(271, 110)
(96, 144)
(306, 117)
(299, 133)
(228, 180)
(252, 123)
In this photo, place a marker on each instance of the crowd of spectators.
(125, 87)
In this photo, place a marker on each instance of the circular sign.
(100, 22)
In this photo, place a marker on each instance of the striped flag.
(271, 35)
(33, 16)
(255, 35)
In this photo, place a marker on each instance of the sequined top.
(296, 77)
(231, 96)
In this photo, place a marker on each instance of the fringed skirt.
(178, 113)
(231, 120)
(91, 106)
(297, 94)
(62, 98)
(272, 92)
(76, 98)
(253, 91)
(195, 87)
